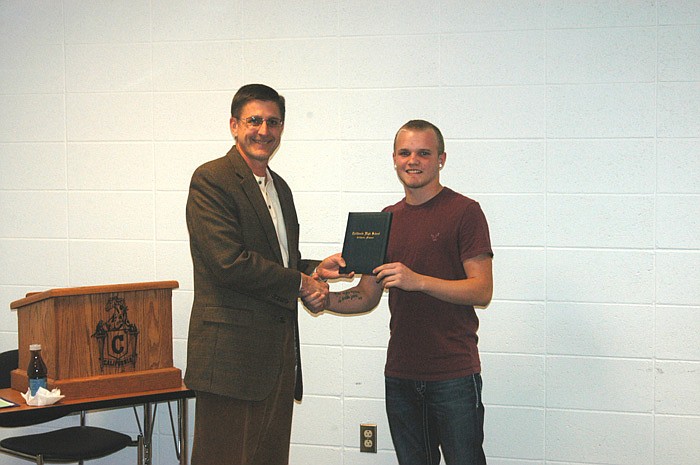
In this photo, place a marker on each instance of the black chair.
(8, 361)
(64, 445)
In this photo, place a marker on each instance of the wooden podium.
(100, 340)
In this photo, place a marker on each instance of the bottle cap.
(34, 346)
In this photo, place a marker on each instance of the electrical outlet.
(368, 438)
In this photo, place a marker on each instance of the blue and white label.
(35, 384)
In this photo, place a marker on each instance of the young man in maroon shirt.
(438, 268)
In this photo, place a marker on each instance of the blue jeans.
(428, 416)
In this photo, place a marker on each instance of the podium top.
(33, 297)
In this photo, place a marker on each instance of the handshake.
(314, 292)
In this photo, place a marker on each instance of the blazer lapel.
(252, 191)
(290, 218)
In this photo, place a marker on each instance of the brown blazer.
(244, 297)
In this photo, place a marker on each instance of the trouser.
(426, 417)
(239, 432)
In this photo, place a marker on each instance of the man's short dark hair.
(251, 92)
(422, 125)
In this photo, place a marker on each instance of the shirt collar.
(264, 181)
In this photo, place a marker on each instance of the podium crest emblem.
(116, 337)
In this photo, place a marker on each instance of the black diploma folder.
(366, 240)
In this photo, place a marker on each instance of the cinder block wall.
(576, 124)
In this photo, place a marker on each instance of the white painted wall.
(576, 124)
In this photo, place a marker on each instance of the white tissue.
(43, 397)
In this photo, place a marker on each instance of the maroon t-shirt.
(433, 340)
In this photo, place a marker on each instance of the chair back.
(8, 361)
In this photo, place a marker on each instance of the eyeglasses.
(257, 121)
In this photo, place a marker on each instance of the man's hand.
(475, 289)
(398, 275)
(329, 268)
(314, 293)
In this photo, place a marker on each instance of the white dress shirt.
(267, 187)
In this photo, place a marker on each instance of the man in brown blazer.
(243, 347)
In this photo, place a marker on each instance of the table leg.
(182, 430)
(147, 434)
(140, 448)
(181, 440)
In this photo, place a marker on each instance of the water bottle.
(36, 372)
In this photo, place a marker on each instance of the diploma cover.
(366, 240)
